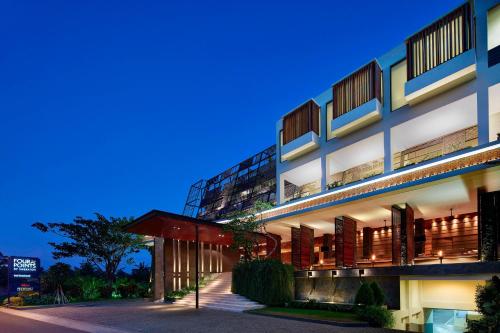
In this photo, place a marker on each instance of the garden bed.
(321, 316)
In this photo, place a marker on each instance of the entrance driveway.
(142, 316)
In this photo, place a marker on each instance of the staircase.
(217, 295)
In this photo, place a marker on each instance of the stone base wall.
(343, 289)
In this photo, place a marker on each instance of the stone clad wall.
(343, 289)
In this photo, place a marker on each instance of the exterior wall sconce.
(321, 262)
(334, 274)
(361, 272)
(440, 255)
(373, 260)
(309, 274)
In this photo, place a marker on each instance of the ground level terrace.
(430, 223)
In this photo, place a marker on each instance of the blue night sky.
(118, 106)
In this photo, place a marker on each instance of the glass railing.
(447, 144)
(359, 172)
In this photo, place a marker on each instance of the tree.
(244, 228)
(488, 305)
(102, 242)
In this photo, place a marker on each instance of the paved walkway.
(12, 324)
(142, 316)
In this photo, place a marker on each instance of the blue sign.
(24, 275)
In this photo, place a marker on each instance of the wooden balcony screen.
(439, 42)
(358, 88)
(302, 120)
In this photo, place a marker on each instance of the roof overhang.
(158, 223)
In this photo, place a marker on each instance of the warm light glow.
(373, 257)
(440, 253)
(321, 262)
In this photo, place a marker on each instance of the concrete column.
(158, 286)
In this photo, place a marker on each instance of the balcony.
(440, 56)
(300, 182)
(300, 133)
(359, 172)
(447, 144)
(357, 100)
(361, 160)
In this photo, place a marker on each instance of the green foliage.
(488, 304)
(267, 281)
(376, 316)
(365, 296)
(102, 242)
(38, 300)
(378, 294)
(91, 287)
(244, 228)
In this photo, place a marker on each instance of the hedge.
(269, 282)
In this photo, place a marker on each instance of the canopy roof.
(174, 226)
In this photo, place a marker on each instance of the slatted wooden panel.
(345, 242)
(439, 42)
(409, 222)
(295, 247)
(328, 244)
(302, 120)
(367, 242)
(396, 216)
(273, 246)
(306, 247)
(358, 88)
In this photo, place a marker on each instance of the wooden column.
(367, 242)
(403, 242)
(183, 264)
(159, 270)
(419, 237)
(192, 263)
(302, 247)
(327, 247)
(169, 265)
(345, 242)
(273, 246)
(488, 223)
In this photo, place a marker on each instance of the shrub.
(376, 316)
(267, 281)
(106, 291)
(91, 287)
(365, 296)
(38, 300)
(314, 305)
(378, 294)
(488, 305)
(127, 290)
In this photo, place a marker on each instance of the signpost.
(23, 275)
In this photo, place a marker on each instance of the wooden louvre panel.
(439, 42)
(358, 88)
(345, 242)
(302, 120)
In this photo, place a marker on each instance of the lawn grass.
(309, 314)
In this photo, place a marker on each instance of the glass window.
(329, 117)
(494, 27)
(398, 80)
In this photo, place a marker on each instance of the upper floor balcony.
(357, 100)
(301, 130)
(440, 56)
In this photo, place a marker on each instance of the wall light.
(373, 260)
(361, 272)
(440, 255)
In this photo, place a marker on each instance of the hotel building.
(391, 174)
